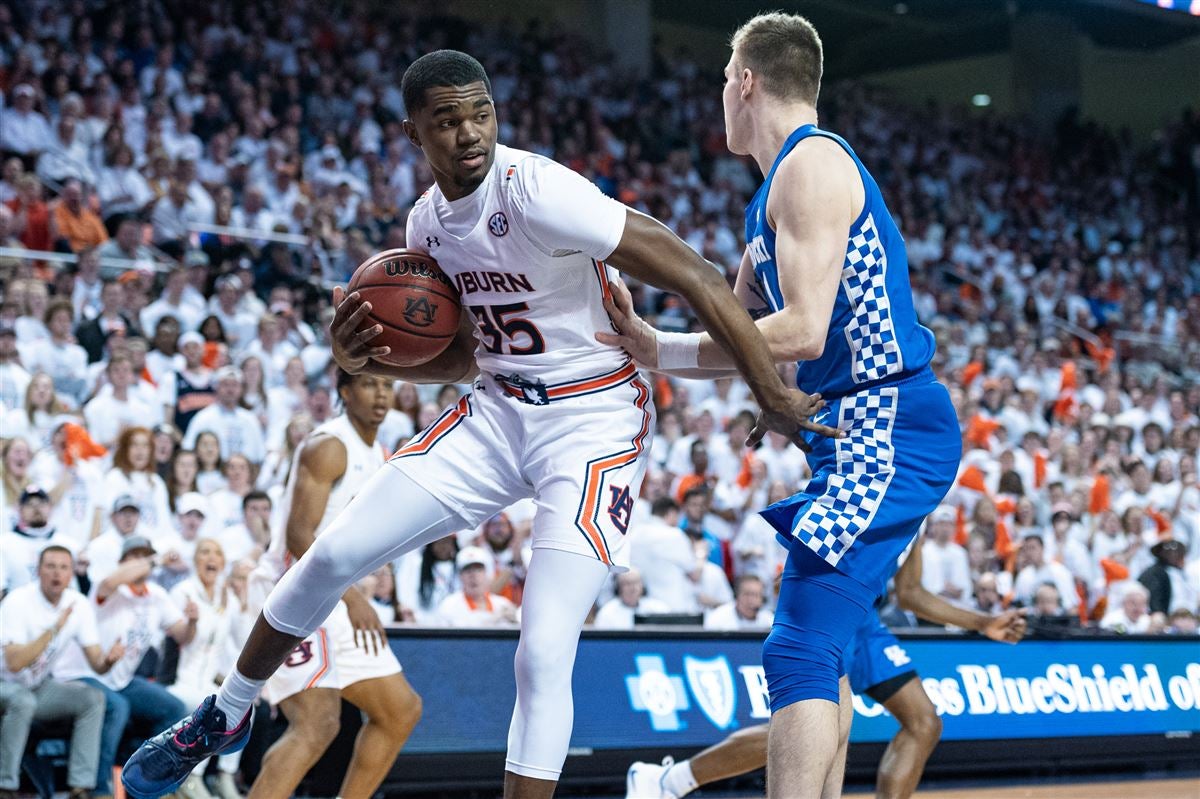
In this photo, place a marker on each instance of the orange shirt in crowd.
(80, 230)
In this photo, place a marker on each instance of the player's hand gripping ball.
(414, 302)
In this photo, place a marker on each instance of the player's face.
(368, 398)
(731, 100)
(456, 129)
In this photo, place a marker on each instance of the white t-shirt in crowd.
(945, 566)
(74, 515)
(107, 416)
(726, 617)
(238, 431)
(26, 613)
(457, 610)
(664, 556)
(616, 615)
(19, 554)
(138, 617)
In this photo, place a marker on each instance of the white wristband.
(678, 350)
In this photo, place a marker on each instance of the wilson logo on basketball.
(400, 267)
(498, 224)
(418, 312)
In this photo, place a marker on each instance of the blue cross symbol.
(660, 694)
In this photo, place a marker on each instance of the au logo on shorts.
(300, 655)
(498, 224)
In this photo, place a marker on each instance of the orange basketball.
(413, 300)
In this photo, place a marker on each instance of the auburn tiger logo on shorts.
(300, 655)
(419, 312)
(621, 507)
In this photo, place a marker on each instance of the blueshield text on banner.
(646, 692)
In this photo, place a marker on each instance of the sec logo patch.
(498, 224)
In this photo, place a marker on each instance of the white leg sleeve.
(559, 592)
(390, 516)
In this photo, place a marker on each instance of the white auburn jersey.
(362, 461)
(529, 265)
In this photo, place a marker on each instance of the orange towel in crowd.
(971, 371)
(979, 431)
(149, 378)
(686, 483)
(212, 352)
(1113, 571)
(1161, 522)
(1039, 469)
(1004, 542)
(744, 476)
(1102, 355)
(1100, 499)
(663, 394)
(1064, 406)
(80, 445)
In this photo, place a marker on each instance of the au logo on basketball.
(498, 224)
(419, 312)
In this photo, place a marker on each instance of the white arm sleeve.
(561, 211)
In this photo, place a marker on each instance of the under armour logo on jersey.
(418, 312)
(498, 224)
(897, 655)
(432, 241)
(621, 507)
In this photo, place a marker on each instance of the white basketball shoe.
(645, 780)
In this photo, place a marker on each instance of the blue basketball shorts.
(868, 496)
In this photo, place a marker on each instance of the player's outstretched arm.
(1008, 627)
(650, 252)
(354, 352)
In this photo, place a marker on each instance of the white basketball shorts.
(579, 449)
(329, 658)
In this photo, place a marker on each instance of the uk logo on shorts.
(498, 224)
(897, 655)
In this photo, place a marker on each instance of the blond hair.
(784, 52)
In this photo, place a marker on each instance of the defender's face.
(731, 100)
(456, 129)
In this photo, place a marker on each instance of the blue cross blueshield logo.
(660, 694)
(498, 224)
(711, 682)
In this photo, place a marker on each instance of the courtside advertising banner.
(645, 691)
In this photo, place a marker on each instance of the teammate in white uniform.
(347, 656)
(554, 414)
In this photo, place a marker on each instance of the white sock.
(679, 780)
(237, 694)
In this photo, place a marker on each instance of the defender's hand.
(633, 334)
(1007, 628)
(791, 417)
(351, 347)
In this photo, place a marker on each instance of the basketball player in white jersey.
(347, 656)
(553, 415)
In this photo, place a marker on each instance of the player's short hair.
(344, 379)
(439, 68)
(782, 50)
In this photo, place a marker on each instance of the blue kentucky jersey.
(874, 338)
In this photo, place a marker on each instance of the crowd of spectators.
(187, 183)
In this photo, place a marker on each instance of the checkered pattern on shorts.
(855, 490)
(870, 333)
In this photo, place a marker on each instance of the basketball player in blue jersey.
(825, 268)
(877, 666)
